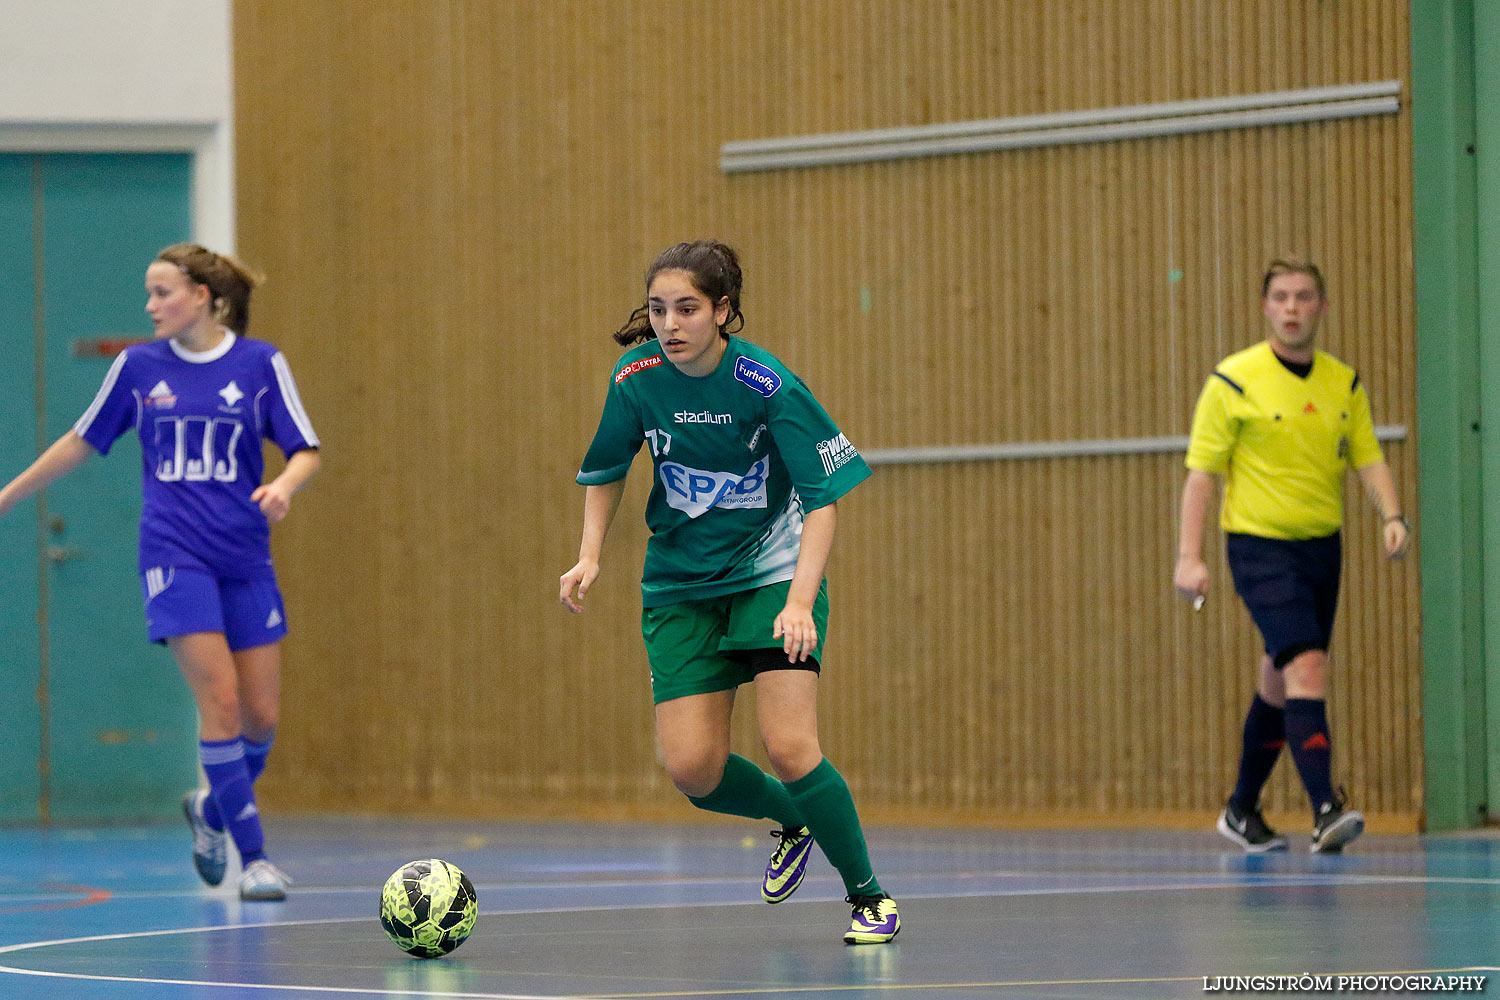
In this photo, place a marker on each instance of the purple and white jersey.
(201, 417)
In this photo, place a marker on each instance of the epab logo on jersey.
(696, 491)
(757, 376)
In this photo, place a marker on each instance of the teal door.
(113, 732)
(20, 652)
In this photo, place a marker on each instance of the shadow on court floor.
(571, 910)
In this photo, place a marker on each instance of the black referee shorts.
(1291, 589)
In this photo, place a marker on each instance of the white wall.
(119, 75)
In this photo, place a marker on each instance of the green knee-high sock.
(746, 790)
(823, 798)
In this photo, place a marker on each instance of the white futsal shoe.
(262, 880)
(210, 846)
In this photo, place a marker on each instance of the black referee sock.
(1307, 738)
(1265, 735)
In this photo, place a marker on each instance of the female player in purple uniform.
(201, 397)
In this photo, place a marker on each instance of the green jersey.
(739, 455)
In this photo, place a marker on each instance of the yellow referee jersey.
(1281, 442)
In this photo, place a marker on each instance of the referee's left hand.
(1396, 537)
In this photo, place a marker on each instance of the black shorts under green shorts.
(699, 646)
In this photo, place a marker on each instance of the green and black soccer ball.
(428, 907)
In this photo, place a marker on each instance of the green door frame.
(1456, 178)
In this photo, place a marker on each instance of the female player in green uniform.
(748, 471)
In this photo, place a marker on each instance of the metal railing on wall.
(1098, 125)
(1056, 449)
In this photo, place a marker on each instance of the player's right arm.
(600, 502)
(111, 414)
(605, 466)
(66, 454)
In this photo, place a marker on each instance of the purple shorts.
(180, 601)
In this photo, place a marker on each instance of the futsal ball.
(428, 907)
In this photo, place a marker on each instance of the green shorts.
(698, 646)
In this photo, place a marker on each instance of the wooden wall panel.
(456, 200)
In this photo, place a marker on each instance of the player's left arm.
(823, 466)
(1381, 486)
(275, 497)
(288, 425)
(794, 626)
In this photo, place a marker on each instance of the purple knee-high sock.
(255, 763)
(230, 789)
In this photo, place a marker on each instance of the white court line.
(346, 890)
(347, 990)
(1268, 880)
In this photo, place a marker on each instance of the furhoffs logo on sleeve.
(635, 366)
(757, 376)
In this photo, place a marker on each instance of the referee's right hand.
(1191, 578)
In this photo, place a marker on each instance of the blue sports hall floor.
(617, 911)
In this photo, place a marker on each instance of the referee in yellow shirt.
(1281, 421)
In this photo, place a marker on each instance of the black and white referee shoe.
(1335, 826)
(1248, 829)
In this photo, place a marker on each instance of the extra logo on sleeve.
(635, 366)
(757, 376)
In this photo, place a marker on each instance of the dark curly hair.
(714, 269)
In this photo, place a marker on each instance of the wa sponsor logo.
(836, 453)
(757, 376)
(635, 366)
(701, 417)
(696, 491)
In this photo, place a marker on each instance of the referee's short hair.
(1293, 265)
